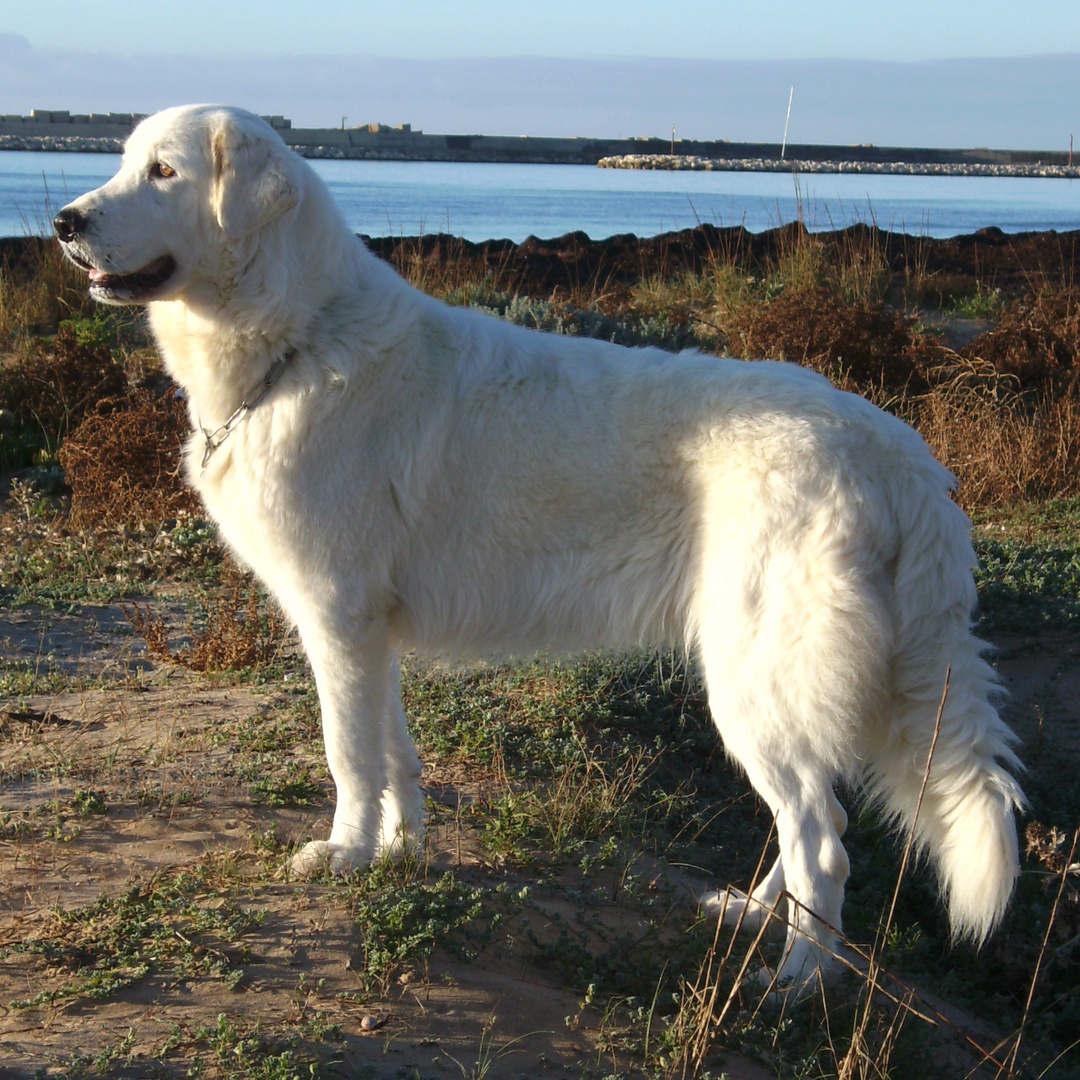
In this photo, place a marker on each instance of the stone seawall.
(894, 168)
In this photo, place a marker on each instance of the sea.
(496, 201)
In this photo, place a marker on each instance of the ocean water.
(488, 201)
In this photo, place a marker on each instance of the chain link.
(215, 438)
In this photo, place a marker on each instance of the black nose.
(69, 223)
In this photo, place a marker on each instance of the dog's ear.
(255, 179)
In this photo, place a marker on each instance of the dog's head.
(195, 183)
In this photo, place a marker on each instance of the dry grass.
(1005, 450)
(443, 265)
(850, 262)
(1004, 412)
(39, 288)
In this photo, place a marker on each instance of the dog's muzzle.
(69, 224)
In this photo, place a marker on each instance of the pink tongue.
(97, 275)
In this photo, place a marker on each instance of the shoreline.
(988, 256)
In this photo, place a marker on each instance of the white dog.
(404, 475)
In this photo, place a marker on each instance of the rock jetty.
(897, 168)
(72, 144)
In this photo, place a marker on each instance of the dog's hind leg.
(402, 810)
(354, 674)
(730, 904)
(812, 866)
(795, 647)
(786, 733)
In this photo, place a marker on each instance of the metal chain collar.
(216, 437)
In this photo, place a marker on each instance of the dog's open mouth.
(130, 288)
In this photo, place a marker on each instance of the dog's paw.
(730, 906)
(321, 856)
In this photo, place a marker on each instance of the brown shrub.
(237, 634)
(857, 344)
(62, 380)
(124, 465)
(1036, 342)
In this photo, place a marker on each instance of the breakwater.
(105, 133)
(677, 162)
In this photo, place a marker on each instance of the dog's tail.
(965, 819)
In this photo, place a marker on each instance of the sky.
(918, 72)
(903, 30)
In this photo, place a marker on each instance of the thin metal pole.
(783, 148)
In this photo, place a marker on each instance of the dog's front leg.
(355, 679)
(402, 801)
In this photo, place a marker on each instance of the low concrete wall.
(59, 130)
(44, 124)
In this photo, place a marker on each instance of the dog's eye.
(160, 171)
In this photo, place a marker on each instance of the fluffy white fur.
(429, 478)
